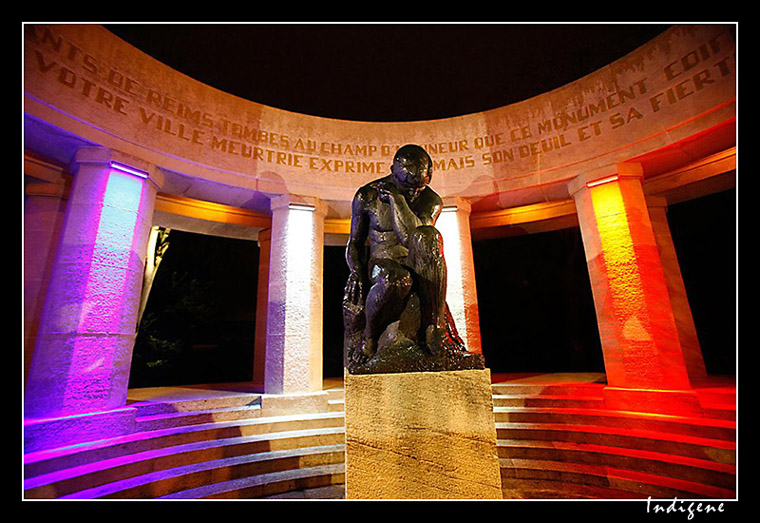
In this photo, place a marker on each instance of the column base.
(286, 404)
(671, 402)
(421, 435)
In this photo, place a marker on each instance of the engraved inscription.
(512, 138)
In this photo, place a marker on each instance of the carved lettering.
(447, 164)
(590, 130)
(42, 63)
(510, 137)
(693, 58)
(688, 82)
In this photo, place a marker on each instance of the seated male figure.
(397, 214)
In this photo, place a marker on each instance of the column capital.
(285, 201)
(106, 157)
(614, 171)
(656, 200)
(264, 235)
(58, 189)
(457, 203)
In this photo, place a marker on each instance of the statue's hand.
(354, 289)
(364, 352)
(387, 191)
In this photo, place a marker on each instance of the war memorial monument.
(119, 147)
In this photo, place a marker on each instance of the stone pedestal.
(421, 435)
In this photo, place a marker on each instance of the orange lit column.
(87, 329)
(294, 309)
(687, 332)
(643, 355)
(461, 294)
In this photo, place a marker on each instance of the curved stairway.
(210, 446)
(556, 439)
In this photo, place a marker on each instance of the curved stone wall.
(82, 84)
(669, 106)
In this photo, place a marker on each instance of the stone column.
(637, 326)
(87, 329)
(44, 209)
(461, 294)
(262, 298)
(687, 332)
(294, 309)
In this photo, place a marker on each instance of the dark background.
(536, 308)
(386, 72)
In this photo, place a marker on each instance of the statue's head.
(412, 168)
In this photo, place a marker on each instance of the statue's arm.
(405, 220)
(355, 248)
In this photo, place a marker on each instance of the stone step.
(694, 470)
(89, 454)
(179, 400)
(717, 395)
(336, 491)
(719, 410)
(71, 480)
(336, 400)
(689, 426)
(157, 484)
(660, 487)
(319, 482)
(524, 478)
(336, 393)
(725, 395)
(548, 401)
(165, 420)
(336, 406)
(549, 475)
(702, 448)
(170, 410)
(588, 390)
(542, 489)
(711, 410)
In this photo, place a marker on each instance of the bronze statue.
(395, 314)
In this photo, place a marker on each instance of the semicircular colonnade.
(659, 124)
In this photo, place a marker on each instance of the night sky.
(386, 72)
(536, 308)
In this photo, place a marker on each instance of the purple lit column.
(87, 330)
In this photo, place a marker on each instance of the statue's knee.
(398, 283)
(427, 233)
(426, 241)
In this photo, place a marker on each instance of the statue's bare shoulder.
(367, 194)
(428, 204)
